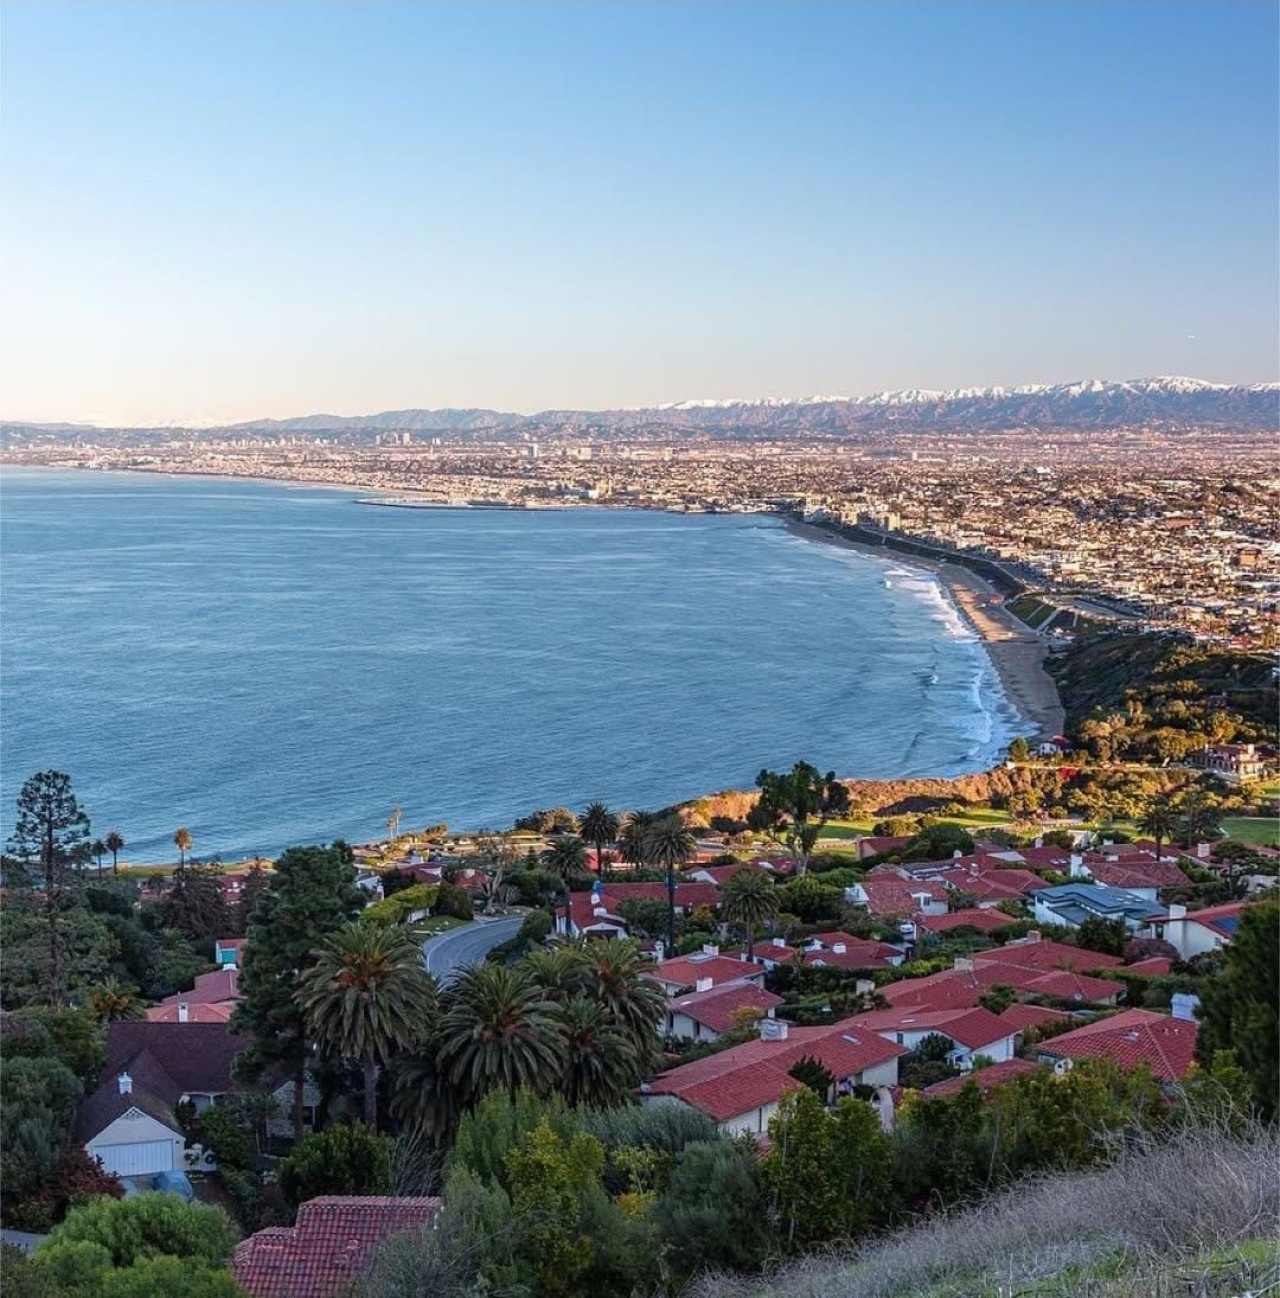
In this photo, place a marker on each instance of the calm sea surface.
(269, 665)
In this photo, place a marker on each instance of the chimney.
(1202, 850)
(704, 984)
(773, 1029)
(1077, 866)
(125, 1083)
(864, 986)
(779, 941)
(963, 964)
(956, 854)
(710, 948)
(1034, 935)
(1184, 1005)
(839, 948)
(184, 1012)
(1177, 911)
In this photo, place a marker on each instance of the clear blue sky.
(241, 209)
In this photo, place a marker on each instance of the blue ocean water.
(268, 664)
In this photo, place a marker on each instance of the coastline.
(1016, 652)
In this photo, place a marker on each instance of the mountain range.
(1168, 403)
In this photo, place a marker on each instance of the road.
(446, 954)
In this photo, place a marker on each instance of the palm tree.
(566, 857)
(1160, 821)
(749, 900)
(616, 975)
(115, 845)
(499, 1030)
(367, 996)
(557, 971)
(182, 841)
(669, 843)
(99, 850)
(600, 1062)
(113, 1001)
(1201, 819)
(599, 827)
(633, 833)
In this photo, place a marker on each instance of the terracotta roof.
(994, 885)
(222, 985)
(167, 1012)
(684, 971)
(966, 1026)
(1212, 916)
(987, 1079)
(714, 1009)
(985, 920)
(1152, 967)
(329, 1247)
(1166, 1045)
(1132, 873)
(887, 896)
(1047, 955)
(746, 1077)
(1021, 1017)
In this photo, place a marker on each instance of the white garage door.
(143, 1158)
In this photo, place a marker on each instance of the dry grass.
(1133, 1227)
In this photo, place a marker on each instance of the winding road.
(446, 954)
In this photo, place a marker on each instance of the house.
(985, 921)
(128, 1121)
(1139, 874)
(971, 1031)
(1166, 1045)
(1071, 904)
(1021, 1017)
(885, 895)
(987, 1079)
(705, 1015)
(1195, 932)
(841, 951)
(1230, 763)
(704, 970)
(329, 1246)
(740, 1087)
(595, 913)
(214, 995)
(880, 845)
(989, 886)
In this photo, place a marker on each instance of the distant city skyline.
(218, 212)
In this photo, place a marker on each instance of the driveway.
(446, 954)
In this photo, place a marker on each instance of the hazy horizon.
(217, 212)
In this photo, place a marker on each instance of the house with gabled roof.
(706, 1015)
(971, 1030)
(1195, 932)
(1165, 1045)
(704, 970)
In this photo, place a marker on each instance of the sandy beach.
(1017, 653)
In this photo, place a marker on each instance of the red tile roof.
(1037, 953)
(968, 1027)
(1137, 873)
(994, 885)
(1020, 1017)
(685, 971)
(715, 1009)
(749, 1076)
(1166, 1045)
(887, 896)
(223, 985)
(985, 920)
(329, 1247)
(1152, 967)
(987, 1079)
(1210, 916)
(169, 1013)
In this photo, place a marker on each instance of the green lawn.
(438, 924)
(975, 818)
(1261, 831)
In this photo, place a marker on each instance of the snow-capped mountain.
(1168, 402)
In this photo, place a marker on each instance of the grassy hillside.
(1195, 1215)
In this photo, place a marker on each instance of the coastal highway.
(451, 951)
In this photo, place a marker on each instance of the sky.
(221, 211)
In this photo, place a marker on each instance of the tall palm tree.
(1201, 819)
(599, 826)
(669, 843)
(600, 1064)
(566, 857)
(750, 901)
(99, 850)
(113, 1001)
(367, 996)
(182, 841)
(616, 975)
(498, 1030)
(115, 845)
(633, 833)
(1160, 821)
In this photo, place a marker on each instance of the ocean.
(268, 664)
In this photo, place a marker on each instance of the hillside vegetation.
(1197, 1215)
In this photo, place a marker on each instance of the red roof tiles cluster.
(687, 970)
(1166, 1045)
(331, 1244)
(986, 1079)
(985, 920)
(715, 1009)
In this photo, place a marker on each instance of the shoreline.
(1017, 653)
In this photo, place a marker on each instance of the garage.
(141, 1158)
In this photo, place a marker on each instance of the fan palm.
(99, 850)
(599, 826)
(669, 843)
(600, 1060)
(498, 1030)
(1201, 819)
(366, 996)
(566, 857)
(750, 901)
(113, 1001)
(115, 845)
(1160, 821)
(615, 975)
(182, 841)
